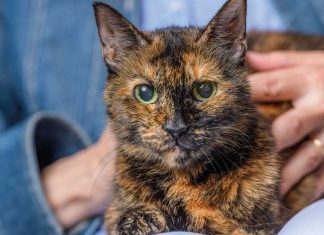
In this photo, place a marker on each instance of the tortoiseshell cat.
(194, 153)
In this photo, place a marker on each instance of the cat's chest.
(210, 194)
(199, 207)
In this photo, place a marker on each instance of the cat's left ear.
(228, 29)
(117, 35)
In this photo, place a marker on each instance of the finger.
(282, 59)
(292, 126)
(305, 160)
(280, 85)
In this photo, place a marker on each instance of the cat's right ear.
(228, 29)
(117, 35)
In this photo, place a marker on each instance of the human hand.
(297, 77)
(79, 186)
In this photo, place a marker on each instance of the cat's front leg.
(139, 221)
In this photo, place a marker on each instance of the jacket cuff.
(24, 150)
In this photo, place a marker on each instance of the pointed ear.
(228, 29)
(117, 35)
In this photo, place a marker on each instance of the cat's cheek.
(154, 137)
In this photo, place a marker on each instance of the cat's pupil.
(146, 92)
(205, 89)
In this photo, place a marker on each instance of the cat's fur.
(222, 175)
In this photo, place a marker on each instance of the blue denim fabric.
(24, 148)
(162, 13)
(51, 82)
(305, 16)
(50, 61)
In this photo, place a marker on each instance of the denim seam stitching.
(32, 52)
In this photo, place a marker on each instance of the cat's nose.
(176, 127)
(176, 132)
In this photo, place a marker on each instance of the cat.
(195, 153)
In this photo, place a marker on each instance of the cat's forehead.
(175, 54)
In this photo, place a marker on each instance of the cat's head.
(178, 96)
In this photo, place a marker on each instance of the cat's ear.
(228, 28)
(117, 35)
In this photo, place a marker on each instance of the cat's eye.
(146, 94)
(204, 90)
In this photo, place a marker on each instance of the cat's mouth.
(180, 144)
(177, 153)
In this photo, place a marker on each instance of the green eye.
(146, 94)
(204, 90)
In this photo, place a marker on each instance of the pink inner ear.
(240, 47)
(107, 54)
(111, 53)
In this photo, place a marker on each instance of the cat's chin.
(176, 157)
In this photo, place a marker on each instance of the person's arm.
(297, 77)
(41, 194)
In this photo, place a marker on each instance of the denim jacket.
(51, 82)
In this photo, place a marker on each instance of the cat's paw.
(139, 222)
